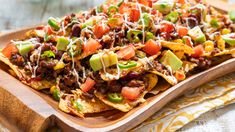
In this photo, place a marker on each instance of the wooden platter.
(25, 109)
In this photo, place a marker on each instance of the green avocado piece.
(164, 6)
(170, 59)
(24, 47)
(108, 59)
(95, 62)
(172, 17)
(232, 15)
(229, 38)
(62, 43)
(197, 35)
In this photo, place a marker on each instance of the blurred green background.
(23, 13)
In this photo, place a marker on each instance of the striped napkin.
(213, 95)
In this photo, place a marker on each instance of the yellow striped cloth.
(208, 97)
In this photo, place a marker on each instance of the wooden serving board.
(25, 109)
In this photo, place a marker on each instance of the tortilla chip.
(88, 105)
(123, 106)
(161, 86)
(177, 46)
(20, 73)
(141, 64)
(188, 66)
(170, 79)
(226, 52)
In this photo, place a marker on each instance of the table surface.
(22, 13)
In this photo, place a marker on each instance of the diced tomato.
(144, 2)
(152, 47)
(188, 42)
(41, 27)
(134, 14)
(91, 46)
(130, 93)
(182, 31)
(9, 49)
(181, 1)
(100, 30)
(198, 51)
(124, 8)
(179, 75)
(167, 27)
(127, 52)
(89, 84)
(48, 30)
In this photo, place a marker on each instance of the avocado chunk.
(232, 15)
(172, 17)
(197, 35)
(170, 59)
(24, 47)
(62, 44)
(164, 6)
(97, 61)
(229, 38)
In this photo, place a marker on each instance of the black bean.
(76, 30)
(133, 75)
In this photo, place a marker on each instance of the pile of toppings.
(121, 47)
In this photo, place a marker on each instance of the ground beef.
(203, 63)
(17, 60)
(69, 80)
(47, 64)
(160, 68)
(135, 83)
(114, 86)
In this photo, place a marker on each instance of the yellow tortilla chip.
(88, 105)
(226, 52)
(123, 106)
(170, 79)
(188, 66)
(177, 46)
(162, 85)
(141, 64)
(38, 85)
